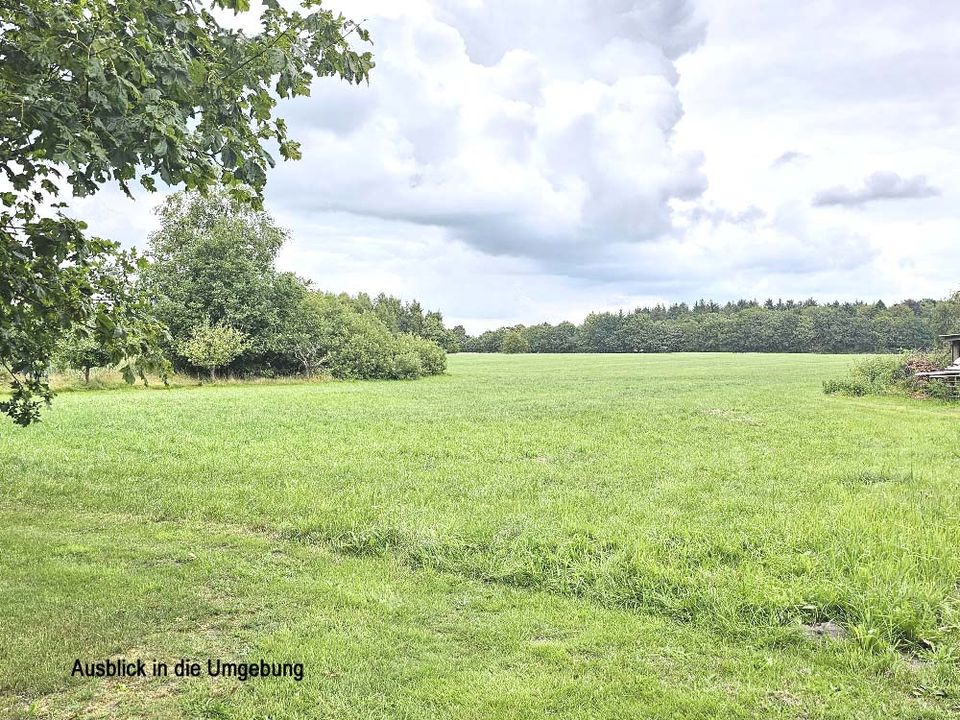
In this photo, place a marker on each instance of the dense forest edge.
(742, 326)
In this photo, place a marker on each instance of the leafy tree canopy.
(346, 338)
(741, 326)
(214, 346)
(81, 350)
(212, 261)
(514, 341)
(94, 91)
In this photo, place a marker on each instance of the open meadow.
(597, 536)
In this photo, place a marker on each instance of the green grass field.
(527, 536)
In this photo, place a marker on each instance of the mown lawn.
(529, 536)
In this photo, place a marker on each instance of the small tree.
(515, 342)
(81, 351)
(213, 346)
(308, 332)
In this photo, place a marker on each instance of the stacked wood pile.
(920, 365)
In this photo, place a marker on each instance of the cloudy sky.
(523, 160)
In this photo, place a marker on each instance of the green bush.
(846, 387)
(942, 390)
(433, 359)
(884, 375)
(361, 348)
(358, 345)
(406, 365)
(869, 376)
(878, 374)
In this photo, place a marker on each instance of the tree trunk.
(86, 375)
(213, 374)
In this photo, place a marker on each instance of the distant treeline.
(742, 326)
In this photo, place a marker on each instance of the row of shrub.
(895, 375)
(327, 334)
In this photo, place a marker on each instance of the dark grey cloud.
(878, 186)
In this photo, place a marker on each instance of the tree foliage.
(81, 350)
(514, 341)
(71, 284)
(308, 333)
(97, 91)
(349, 340)
(141, 89)
(212, 261)
(213, 346)
(412, 319)
(743, 326)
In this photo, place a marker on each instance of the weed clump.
(941, 390)
(895, 375)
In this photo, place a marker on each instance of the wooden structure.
(951, 373)
(954, 342)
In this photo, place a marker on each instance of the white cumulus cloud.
(522, 130)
